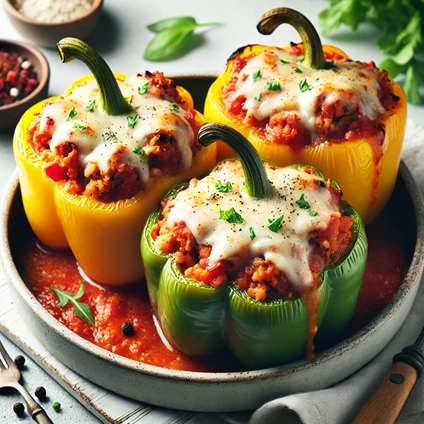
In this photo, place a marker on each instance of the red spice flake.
(17, 78)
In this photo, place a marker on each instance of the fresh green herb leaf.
(312, 213)
(78, 127)
(143, 89)
(284, 62)
(251, 233)
(275, 224)
(173, 38)
(297, 70)
(139, 151)
(258, 97)
(109, 136)
(256, 75)
(91, 106)
(175, 108)
(132, 120)
(302, 203)
(129, 99)
(82, 310)
(231, 216)
(223, 188)
(72, 114)
(304, 86)
(273, 85)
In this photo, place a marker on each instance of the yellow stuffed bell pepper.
(309, 103)
(95, 162)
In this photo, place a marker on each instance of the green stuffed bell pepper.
(265, 260)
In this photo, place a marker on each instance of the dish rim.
(408, 284)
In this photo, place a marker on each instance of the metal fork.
(9, 377)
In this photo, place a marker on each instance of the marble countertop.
(121, 37)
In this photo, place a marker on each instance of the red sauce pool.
(112, 307)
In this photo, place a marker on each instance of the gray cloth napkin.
(340, 403)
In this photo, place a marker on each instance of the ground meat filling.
(260, 278)
(120, 180)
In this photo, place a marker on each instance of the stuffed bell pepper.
(94, 163)
(309, 103)
(265, 260)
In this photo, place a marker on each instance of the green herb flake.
(275, 224)
(91, 106)
(175, 108)
(297, 70)
(56, 406)
(304, 86)
(302, 203)
(109, 136)
(82, 310)
(231, 216)
(78, 127)
(258, 97)
(143, 89)
(251, 233)
(312, 213)
(223, 188)
(71, 115)
(132, 120)
(284, 62)
(273, 86)
(139, 151)
(256, 75)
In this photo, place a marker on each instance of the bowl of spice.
(24, 80)
(45, 22)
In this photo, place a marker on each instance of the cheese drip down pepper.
(101, 129)
(198, 317)
(309, 103)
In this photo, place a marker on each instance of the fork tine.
(5, 356)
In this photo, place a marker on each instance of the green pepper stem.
(113, 102)
(312, 47)
(257, 184)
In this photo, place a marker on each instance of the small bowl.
(47, 34)
(10, 114)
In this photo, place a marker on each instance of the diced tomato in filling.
(55, 172)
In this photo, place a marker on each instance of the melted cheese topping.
(288, 248)
(99, 136)
(301, 86)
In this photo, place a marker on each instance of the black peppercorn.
(128, 329)
(20, 361)
(18, 408)
(40, 392)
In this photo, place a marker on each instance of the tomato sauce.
(112, 306)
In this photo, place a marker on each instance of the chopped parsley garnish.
(258, 97)
(275, 224)
(71, 115)
(304, 86)
(273, 85)
(297, 70)
(91, 106)
(223, 188)
(175, 108)
(139, 151)
(302, 203)
(129, 99)
(312, 213)
(284, 62)
(109, 135)
(256, 75)
(132, 120)
(143, 89)
(231, 216)
(251, 233)
(78, 127)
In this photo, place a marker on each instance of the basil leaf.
(275, 225)
(231, 216)
(83, 311)
(132, 120)
(91, 106)
(251, 233)
(62, 296)
(302, 203)
(223, 188)
(139, 151)
(171, 22)
(80, 291)
(273, 85)
(143, 89)
(72, 114)
(78, 127)
(312, 213)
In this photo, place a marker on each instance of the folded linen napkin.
(340, 403)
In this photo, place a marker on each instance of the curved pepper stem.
(312, 47)
(257, 183)
(113, 102)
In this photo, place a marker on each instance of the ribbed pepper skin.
(198, 319)
(351, 164)
(104, 237)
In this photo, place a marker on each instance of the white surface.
(121, 37)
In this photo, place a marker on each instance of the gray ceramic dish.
(217, 391)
